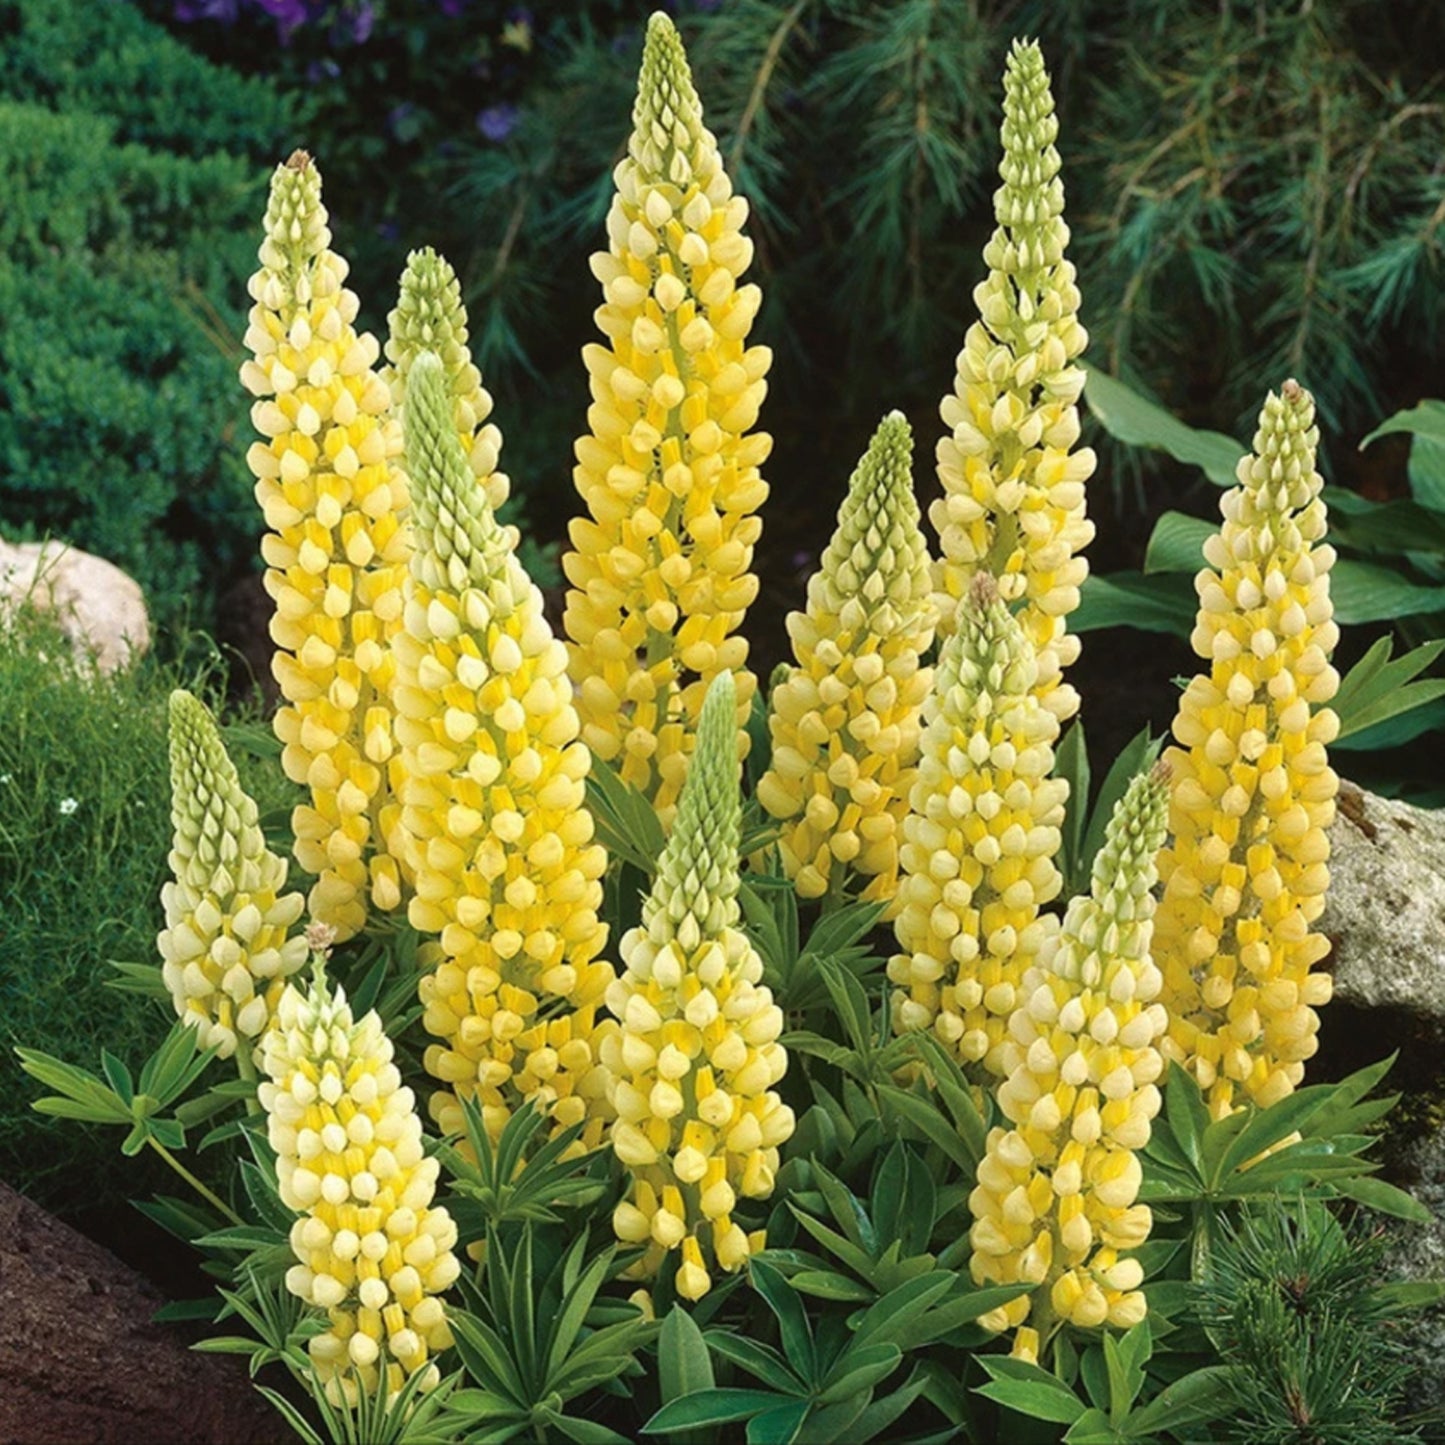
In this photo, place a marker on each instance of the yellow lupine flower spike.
(980, 836)
(1013, 483)
(498, 830)
(429, 316)
(336, 550)
(225, 947)
(1055, 1203)
(693, 1067)
(1245, 876)
(374, 1252)
(660, 568)
(845, 723)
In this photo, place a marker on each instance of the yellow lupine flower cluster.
(225, 947)
(693, 1066)
(1055, 1203)
(1013, 484)
(336, 551)
(374, 1252)
(429, 316)
(1245, 875)
(845, 722)
(660, 568)
(494, 814)
(980, 837)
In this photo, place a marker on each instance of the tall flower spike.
(429, 316)
(225, 946)
(660, 568)
(1055, 1203)
(980, 837)
(1245, 876)
(373, 1251)
(336, 550)
(845, 723)
(494, 811)
(1013, 490)
(693, 1067)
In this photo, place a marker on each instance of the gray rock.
(1386, 910)
(101, 609)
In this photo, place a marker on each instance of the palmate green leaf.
(1124, 1360)
(1385, 1198)
(82, 1094)
(951, 1085)
(1204, 1394)
(780, 1425)
(1409, 1294)
(1030, 1391)
(924, 1116)
(860, 1368)
(584, 1432)
(627, 824)
(1378, 688)
(1187, 1116)
(141, 978)
(1134, 419)
(713, 1407)
(794, 1328)
(761, 1361)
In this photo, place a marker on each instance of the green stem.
(208, 1195)
(246, 1066)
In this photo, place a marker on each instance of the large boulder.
(1386, 912)
(81, 1360)
(101, 609)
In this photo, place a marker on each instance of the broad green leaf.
(1177, 543)
(1203, 1395)
(1164, 603)
(761, 1361)
(1368, 592)
(1410, 1294)
(863, 1367)
(924, 1115)
(1132, 418)
(793, 1326)
(1385, 1198)
(780, 1425)
(1425, 420)
(683, 1363)
(583, 1432)
(82, 1089)
(712, 1407)
(1029, 1390)
(1187, 1116)
(889, 1320)
(824, 1284)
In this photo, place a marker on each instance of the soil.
(81, 1362)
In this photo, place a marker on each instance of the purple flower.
(388, 230)
(221, 11)
(289, 16)
(319, 70)
(362, 20)
(452, 8)
(497, 122)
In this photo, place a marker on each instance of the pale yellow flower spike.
(429, 316)
(845, 723)
(1055, 1203)
(494, 811)
(225, 943)
(693, 1067)
(660, 568)
(1013, 487)
(980, 837)
(1245, 875)
(373, 1251)
(336, 551)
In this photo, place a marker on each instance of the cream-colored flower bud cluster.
(429, 316)
(225, 946)
(494, 813)
(980, 837)
(336, 551)
(374, 1252)
(693, 1066)
(845, 723)
(1013, 482)
(660, 569)
(1246, 873)
(1056, 1204)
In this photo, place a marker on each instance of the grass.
(84, 837)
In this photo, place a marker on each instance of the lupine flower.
(374, 1252)
(980, 836)
(693, 1067)
(1055, 1203)
(225, 945)
(1245, 876)
(429, 316)
(660, 569)
(336, 552)
(1013, 488)
(494, 811)
(845, 723)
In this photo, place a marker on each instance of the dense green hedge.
(133, 172)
